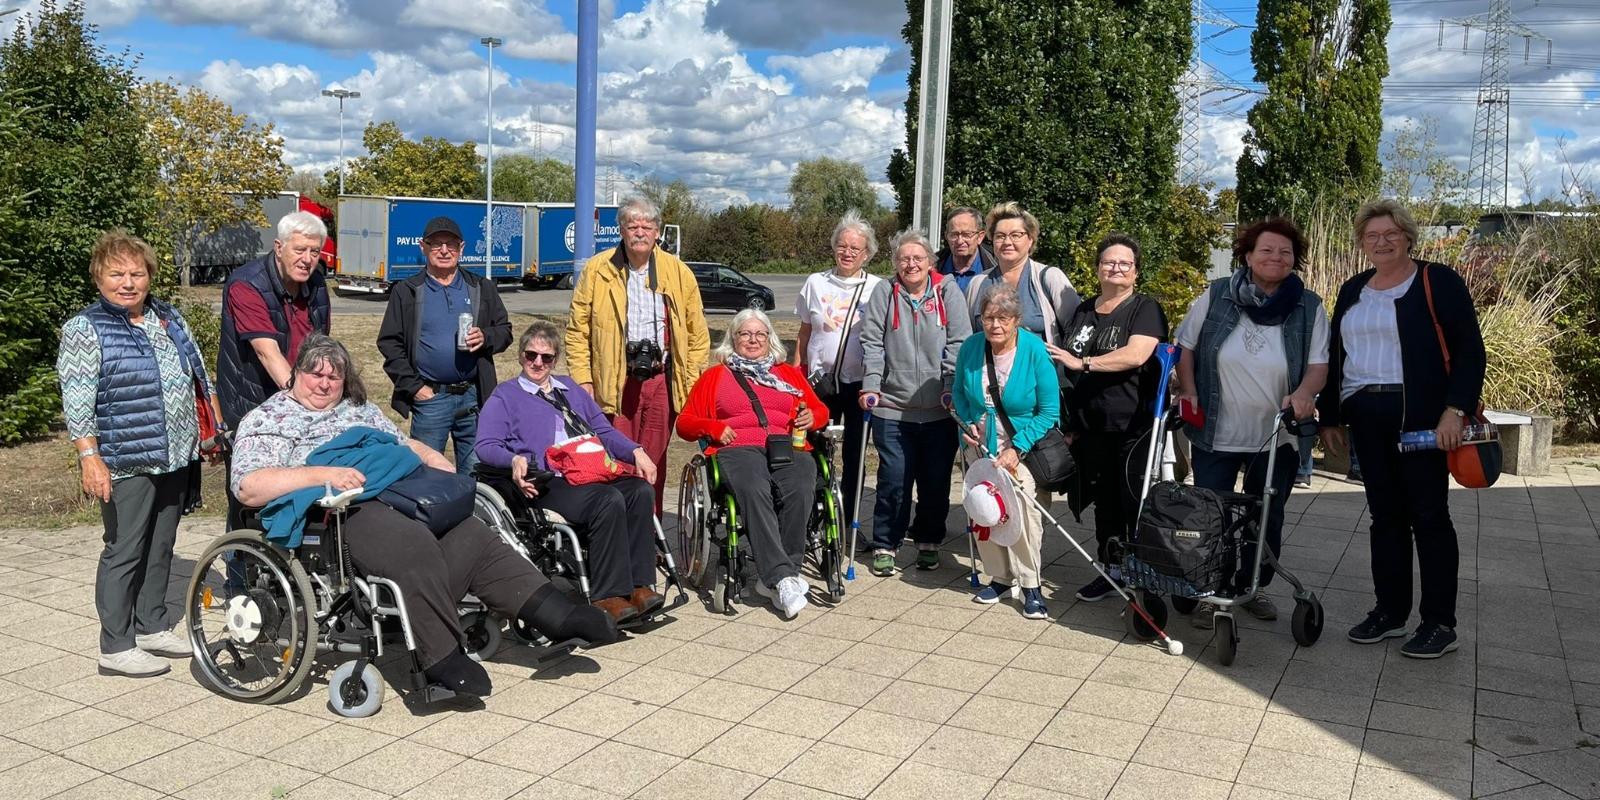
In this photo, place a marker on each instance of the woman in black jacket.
(1387, 375)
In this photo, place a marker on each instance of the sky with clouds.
(729, 95)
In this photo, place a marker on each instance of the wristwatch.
(1086, 364)
(1456, 411)
(87, 451)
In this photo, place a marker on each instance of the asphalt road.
(557, 301)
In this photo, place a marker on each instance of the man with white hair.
(637, 339)
(270, 306)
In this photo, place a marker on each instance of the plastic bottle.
(1414, 441)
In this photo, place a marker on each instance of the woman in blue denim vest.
(1253, 343)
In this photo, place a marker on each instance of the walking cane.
(861, 487)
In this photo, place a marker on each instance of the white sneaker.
(791, 596)
(164, 643)
(134, 663)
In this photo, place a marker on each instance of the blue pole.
(588, 50)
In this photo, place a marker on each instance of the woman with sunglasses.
(536, 409)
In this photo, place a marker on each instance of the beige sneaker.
(164, 643)
(134, 663)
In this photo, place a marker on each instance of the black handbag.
(438, 499)
(1050, 459)
(780, 448)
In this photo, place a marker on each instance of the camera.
(644, 359)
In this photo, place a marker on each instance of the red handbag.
(583, 459)
(1474, 465)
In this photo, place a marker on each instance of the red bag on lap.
(583, 459)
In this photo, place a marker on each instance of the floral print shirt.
(283, 433)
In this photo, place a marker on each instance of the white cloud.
(840, 69)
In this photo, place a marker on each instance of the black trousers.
(774, 504)
(615, 521)
(1110, 462)
(846, 406)
(436, 572)
(1407, 497)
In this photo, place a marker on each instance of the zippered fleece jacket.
(909, 345)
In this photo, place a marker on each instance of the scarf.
(1262, 308)
(759, 370)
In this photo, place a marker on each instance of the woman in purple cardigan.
(529, 413)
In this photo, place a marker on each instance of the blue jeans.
(1305, 463)
(438, 418)
(1217, 471)
(912, 455)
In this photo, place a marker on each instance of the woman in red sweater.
(747, 407)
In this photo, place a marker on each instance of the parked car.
(722, 286)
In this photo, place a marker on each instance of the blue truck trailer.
(533, 242)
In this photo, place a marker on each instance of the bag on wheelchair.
(1184, 533)
(433, 497)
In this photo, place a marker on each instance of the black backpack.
(1184, 533)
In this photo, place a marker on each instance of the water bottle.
(1416, 441)
(463, 324)
(797, 437)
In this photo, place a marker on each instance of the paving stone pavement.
(906, 689)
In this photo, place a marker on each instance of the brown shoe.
(618, 608)
(646, 600)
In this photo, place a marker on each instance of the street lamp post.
(342, 95)
(488, 216)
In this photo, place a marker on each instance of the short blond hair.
(1011, 209)
(1392, 209)
(117, 244)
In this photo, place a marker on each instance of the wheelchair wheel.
(491, 509)
(251, 616)
(694, 530)
(831, 558)
(719, 586)
(351, 695)
(483, 633)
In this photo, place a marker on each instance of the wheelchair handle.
(331, 499)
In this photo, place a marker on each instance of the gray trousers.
(774, 504)
(130, 585)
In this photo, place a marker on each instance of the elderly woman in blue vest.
(1253, 343)
(910, 333)
(1030, 398)
(130, 373)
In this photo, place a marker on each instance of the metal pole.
(341, 95)
(488, 211)
(588, 47)
(934, 102)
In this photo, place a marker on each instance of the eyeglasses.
(1117, 266)
(1387, 236)
(751, 336)
(907, 261)
(441, 245)
(539, 358)
(991, 319)
(963, 235)
(1014, 236)
(849, 251)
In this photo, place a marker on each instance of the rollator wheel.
(1153, 606)
(482, 631)
(1184, 605)
(1307, 622)
(1227, 640)
(251, 618)
(351, 695)
(719, 588)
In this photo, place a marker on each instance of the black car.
(722, 286)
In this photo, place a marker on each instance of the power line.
(1491, 130)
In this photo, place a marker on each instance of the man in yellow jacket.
(637, 339)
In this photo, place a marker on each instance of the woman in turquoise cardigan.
(1030, 396)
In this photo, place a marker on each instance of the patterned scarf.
(759, 370)
(1262, 308)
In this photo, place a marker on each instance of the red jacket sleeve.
(698, 419)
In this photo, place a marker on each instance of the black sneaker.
(1097, 590)
(1432, 640)
(1377, 627)
(1354, 475)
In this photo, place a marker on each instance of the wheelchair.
(259, 615)
(553, 544)
(710, 528)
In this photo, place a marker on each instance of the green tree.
(828, 187)
(308, 182)
(527, 179)
(1316, 132)
(1416, 171)
(75, 151)
(213, 167)
(675, 199)
(399, 167)
(1065, 107)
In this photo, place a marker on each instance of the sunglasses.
(539, 358)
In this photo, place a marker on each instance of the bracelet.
(1086, 361)
(87, 452)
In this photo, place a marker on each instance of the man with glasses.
(441, 376)
(965, 254)
(636, 339)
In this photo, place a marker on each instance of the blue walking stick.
(861, 479)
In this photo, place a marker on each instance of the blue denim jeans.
(1218, 471)
(437, 419)
(912, 455)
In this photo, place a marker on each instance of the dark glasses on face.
(539, 358)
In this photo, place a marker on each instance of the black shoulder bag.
(780, 451)
(1049, 460)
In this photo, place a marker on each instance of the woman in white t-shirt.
(1253, 343)
(828, 349)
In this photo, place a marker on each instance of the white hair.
(853, 223)
(910, 237)
(774, 344)
(301, 222)
(637, 208)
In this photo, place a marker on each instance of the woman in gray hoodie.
(911, 330)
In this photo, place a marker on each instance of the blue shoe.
(991, 594)
(1033, 604)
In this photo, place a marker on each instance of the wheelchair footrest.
(435, 693)
(558, 649)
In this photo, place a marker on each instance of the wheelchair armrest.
(333, 500)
